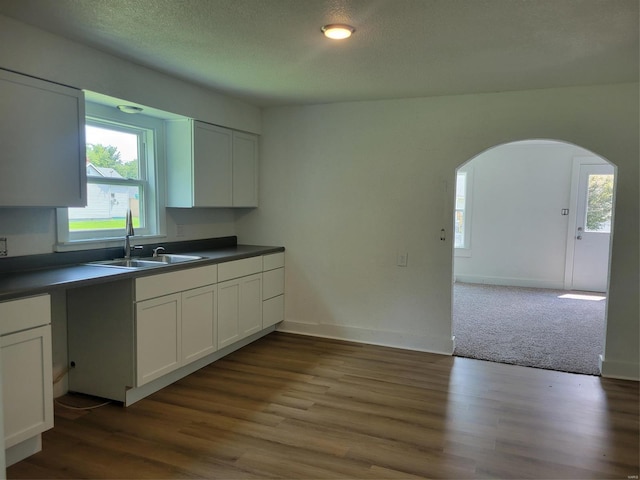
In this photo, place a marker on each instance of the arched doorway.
(530, 217)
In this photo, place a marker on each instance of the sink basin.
(146, 262)
(171, 258)
(126, 263)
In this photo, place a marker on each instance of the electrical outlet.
(402, 259)
(179, 230)
(3, 247)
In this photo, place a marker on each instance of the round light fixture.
(337, 31)
(129, 109)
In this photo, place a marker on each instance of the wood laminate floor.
(299, 407)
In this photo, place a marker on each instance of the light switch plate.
(402, 259)
(3, 247)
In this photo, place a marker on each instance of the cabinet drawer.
(172, 282)
(274, 260)
(239, 268)
(272, 283)
(17, 315)
(272, 311)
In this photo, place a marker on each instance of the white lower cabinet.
(158, 337)
(27, 385)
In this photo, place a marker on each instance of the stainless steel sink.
(146, 262)
(126, 263)
(171, 258)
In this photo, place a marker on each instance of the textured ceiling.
(271, 52)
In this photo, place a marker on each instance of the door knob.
(579, 237)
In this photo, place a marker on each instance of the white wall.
(346, 187)
(518, 235)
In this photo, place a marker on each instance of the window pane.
(461, 190)
(107, 208)
(459, 229)
(461, 200)
(112, 153)
(599, 203)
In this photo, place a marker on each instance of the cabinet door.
(228, 312)
(245, 170)
(42, 138)
(198, 323)
(158, 337)
(27, 385)
(212, 166)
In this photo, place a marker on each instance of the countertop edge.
(37, 282)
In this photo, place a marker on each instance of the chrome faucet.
(157, 250)
(127, 234)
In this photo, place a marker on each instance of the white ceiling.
(271, 52)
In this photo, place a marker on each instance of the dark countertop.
(16, 284)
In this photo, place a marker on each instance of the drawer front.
(239, 268)
(272, 283)
(272, 311)
(172, 282)
(274, 260)
(25, 313)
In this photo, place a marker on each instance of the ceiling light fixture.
(337, 31)
(129, 109)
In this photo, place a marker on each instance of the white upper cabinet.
(210, 166)
(42, 147)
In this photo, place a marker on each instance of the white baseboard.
(407, 341)
(620, 370)
(511, 281)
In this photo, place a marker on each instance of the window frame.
(151, 133)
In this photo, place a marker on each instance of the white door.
(593, 228)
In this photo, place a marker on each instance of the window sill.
(462, 252)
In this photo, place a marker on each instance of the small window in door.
(599, 203)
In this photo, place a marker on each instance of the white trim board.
(619, 370)
(404, 340)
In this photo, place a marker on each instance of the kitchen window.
(122, 173)
(462, 213)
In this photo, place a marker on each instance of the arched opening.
(533, 222)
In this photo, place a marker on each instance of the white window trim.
(156, 213)
(468, 210)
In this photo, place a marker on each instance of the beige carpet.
(529, 326)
